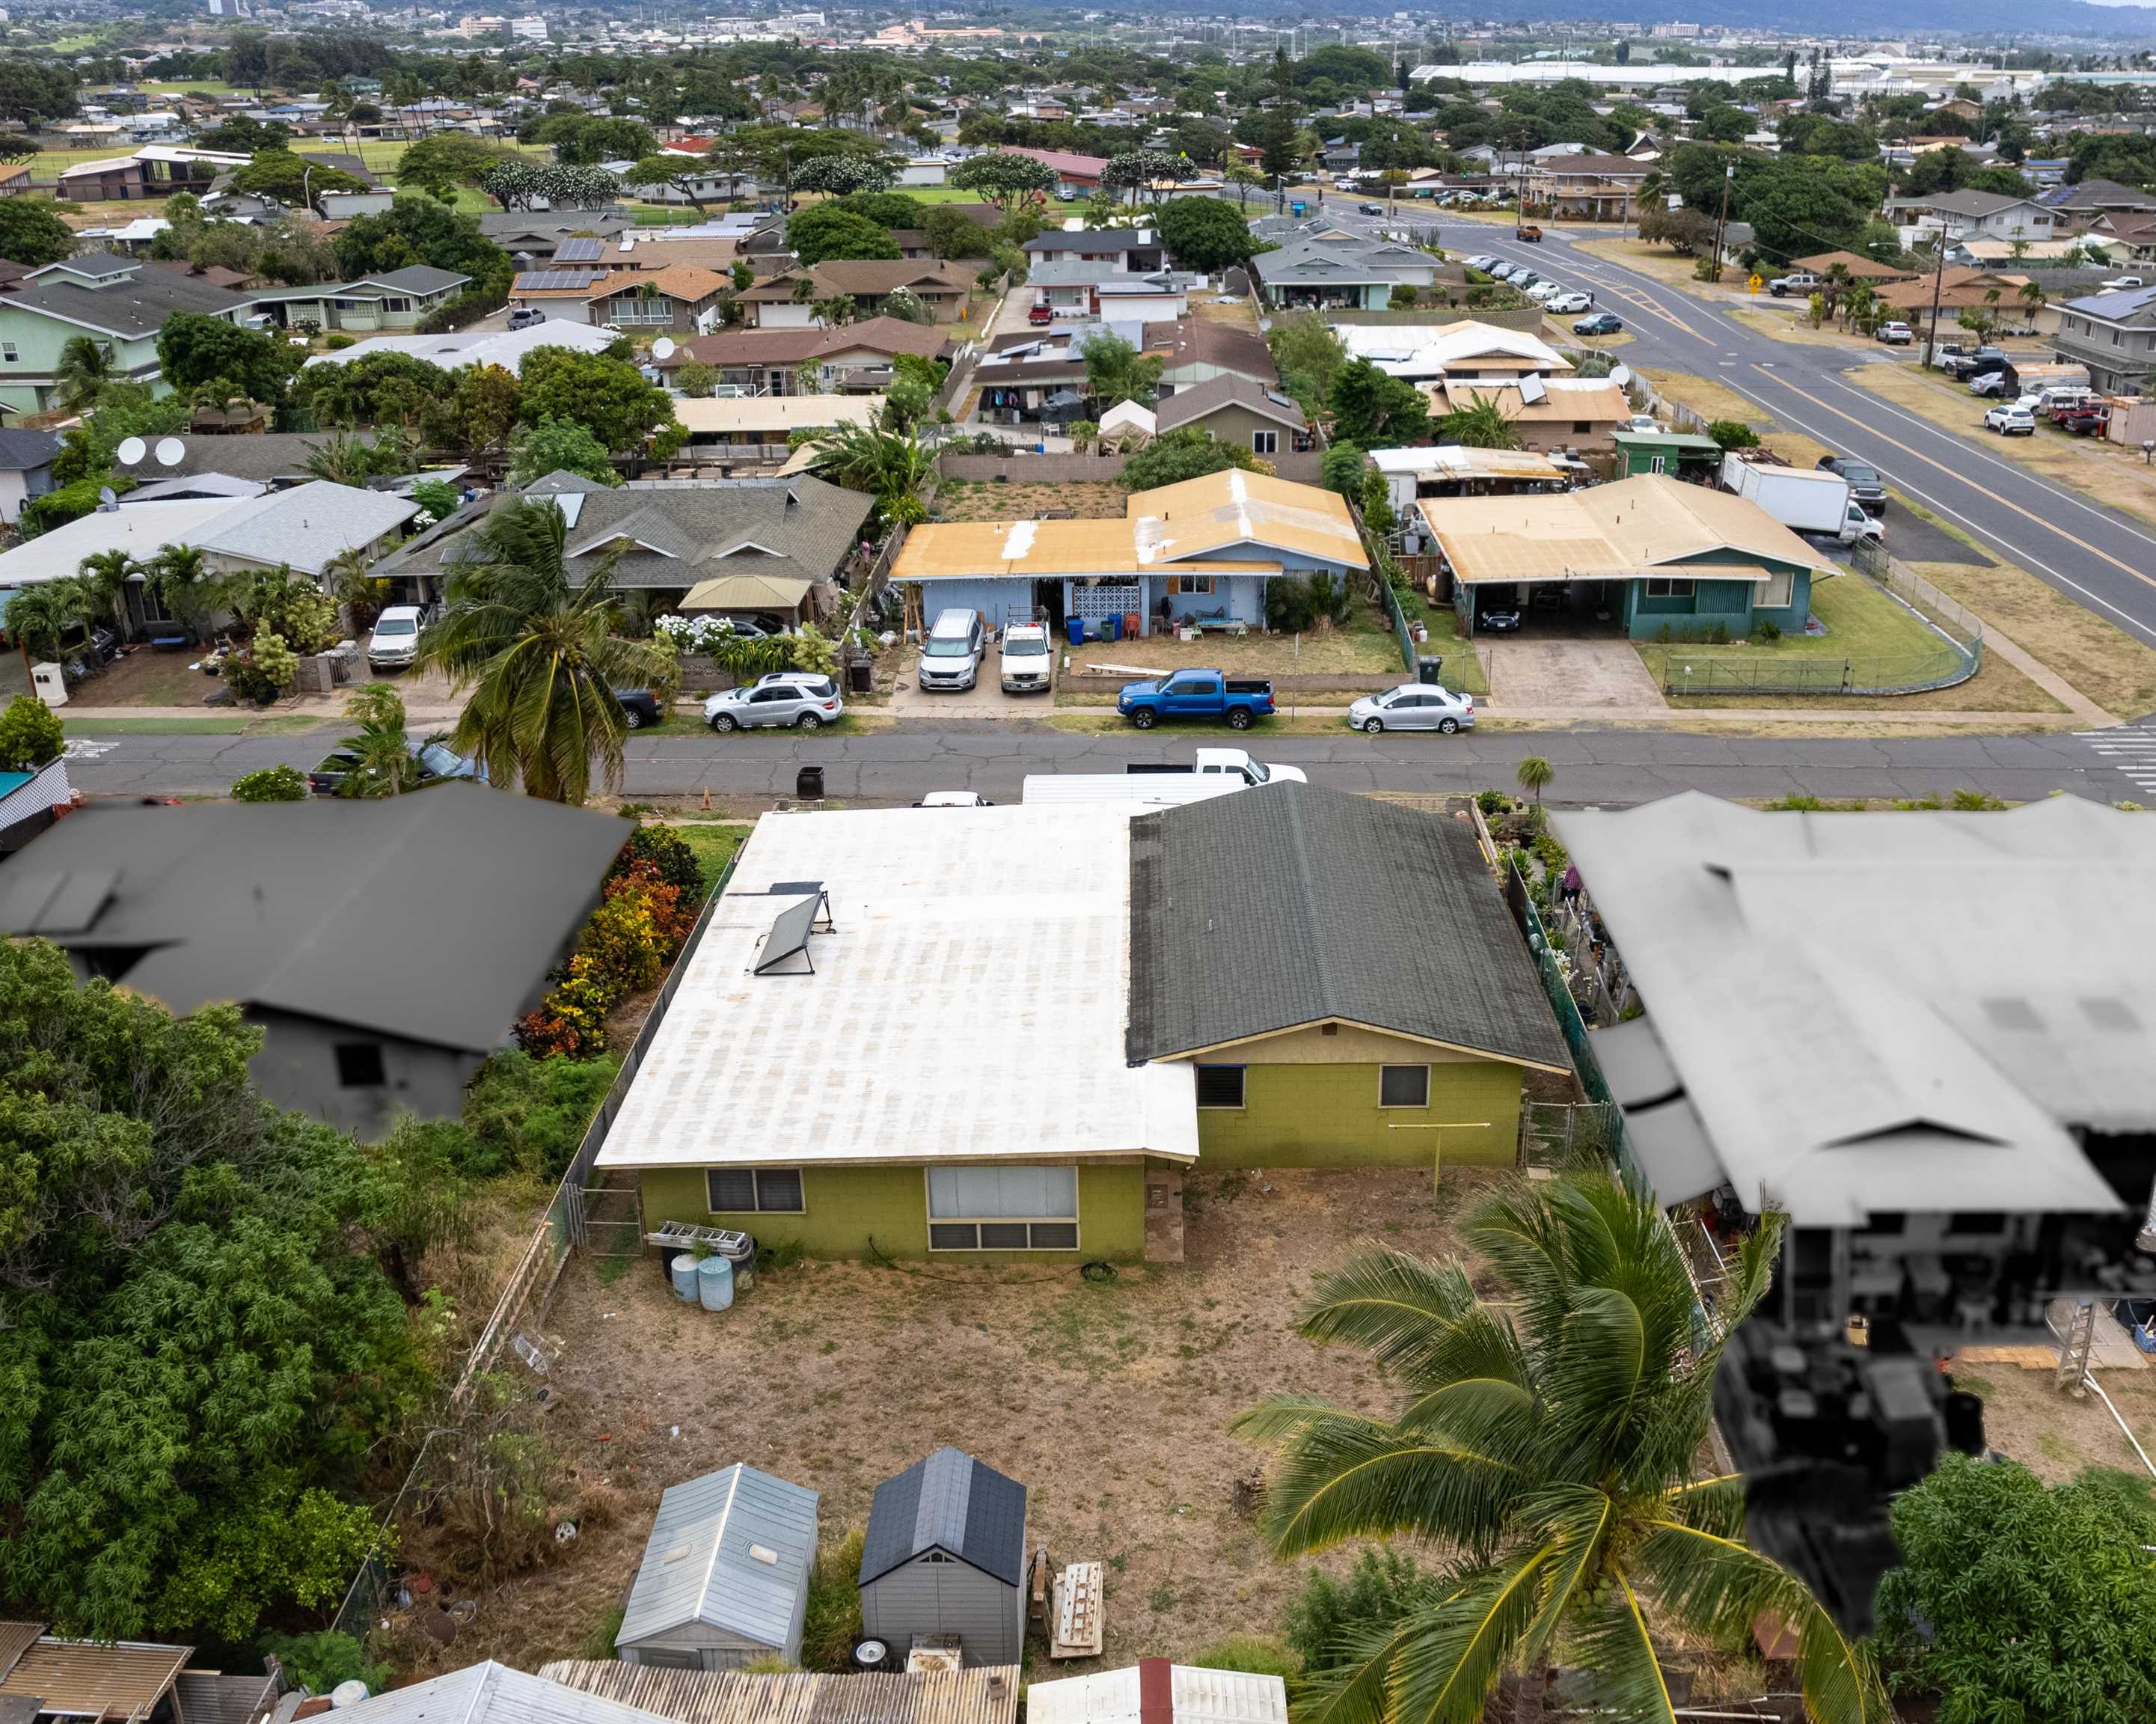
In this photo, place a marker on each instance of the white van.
(951, 656)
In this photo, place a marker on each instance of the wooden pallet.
(1080, 1600)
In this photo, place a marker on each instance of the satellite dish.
(171, 451)
(131, 451)
(1532, 389)
(662, 348)
(107, 498)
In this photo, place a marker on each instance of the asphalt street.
(1609, 767)
(2099, 556)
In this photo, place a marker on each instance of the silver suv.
(950, 657)
(796, 698)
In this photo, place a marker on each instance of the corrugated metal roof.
(207, 1697)
(16, 1639)
(948, 1502)
(983, 1694)
(700, 1562)
(491, 1693)
(1174, 523)
(123, 1679)
(1197, 1695)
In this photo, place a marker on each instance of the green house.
(397, 300)
(1009, 1031)
(1681, 455)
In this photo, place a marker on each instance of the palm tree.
(890, 467)
(351, 585)
(2031, 294)
(341, 459)
(85, 370)
(1480, 425)
(838, 309)
(382, 754)
(1547, 1436)
(40, 616)
(1532, 773)
(184, 583)
(104, 576)
(539, 654)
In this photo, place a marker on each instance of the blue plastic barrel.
(715, 1283)
(683, 1272)
(1076, 626)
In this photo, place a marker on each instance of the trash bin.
(860, 676)
(1075, 628)
(1111, 628)
(1426, 668)
(808, 783)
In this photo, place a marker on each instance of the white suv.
(1028, 660)
(395, 641)
(951, 656)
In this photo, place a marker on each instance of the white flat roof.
(1196, 1695)
(969, 1005)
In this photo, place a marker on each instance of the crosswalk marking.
(2130, 749)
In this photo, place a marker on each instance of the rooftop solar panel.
(580, 251)
(558, 281)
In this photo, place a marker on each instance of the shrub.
(1329, 1617)
(625, 946)
(1733, 434)
(812, 651)
(272, 784)
(30, 734)
(1404, 297)
(338, 341)
(1341, 468)
(1259, 1655)
(522, 1112)
(1377, 503)
(318, 1662)
(268, 668)
(832, 1621)
(667, 852)
(1770, 631)
(1295, 605)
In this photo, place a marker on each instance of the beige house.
(1549, 415)
(787, 300)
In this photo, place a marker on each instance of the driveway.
(985, 699)
(1527, 675)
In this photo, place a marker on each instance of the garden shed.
(725, 1575)
(945, 1555)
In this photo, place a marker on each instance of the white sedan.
(1545, 291)
(1413, 706)
(1564, 305)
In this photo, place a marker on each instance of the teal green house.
(1650, 558)
(119, 303)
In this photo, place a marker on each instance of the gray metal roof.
(1853, 1013)
(700, 1563)
(1287, 904)
(948, 1502)
(310, 526)
(491, 1693)
(25, 451)
(272, 456)
(433, 916)
(136, 304)
(1187, 406)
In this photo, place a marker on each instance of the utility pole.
(1939, 281)
(1722, 221)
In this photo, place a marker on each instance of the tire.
(1238, 718)
(1448, 726)
(809, 721)
(722, 722)
(1143, 718)
(634, 718)
(1374, 727)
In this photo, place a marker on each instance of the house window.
(1886, 1221)
(1194, 584)
(1581, 427)
(8, 352)
(742, 1191)
(1776, 592)
(1657, 464)
(360, 1066)
(1403, 1086)
(1002, 1208)
(1660, 587)
(1219, 1086)
(1265, 442)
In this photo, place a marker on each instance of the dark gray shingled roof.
(1288, 904)
(949, 1502)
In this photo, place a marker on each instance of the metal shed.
(945, 1554)
(725, 1575)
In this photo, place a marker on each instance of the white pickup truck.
(1215, 772)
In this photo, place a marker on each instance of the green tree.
(539, 654)
(421, 230)
(1002, 180)
(1733, 434)
(383, 763)
(1375, 409)
(839, 175)
(85, 371)
(271, 784)
(558, 445)
(40, 617)
(31, 234)
(607, 395)
(1115, 372)
(2016, 1600)
(1187, 452)
(293, 179)
(1309, 356)
(480, 413)
(828, 231)
(696, 379)
(1547, 1434)
(953, 234)
(449, 158)
(1480, 423)
(30, 733)
(1204, 234)
(1342, 468)
(1148, 172)
(196, 352)
(185, 584)
(889, 465)
(1532, 774)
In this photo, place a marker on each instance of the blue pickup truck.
(1197, 694)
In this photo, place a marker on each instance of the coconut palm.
(890, 467)
(40, 617)
(1480, 425)
(539, 654)
(1532, 773)
(352, 584)
(185, 583)
(382, 754)
(1547, 1438)
(340, 458)
(2031, 294)
(85, 370)
(104, 575)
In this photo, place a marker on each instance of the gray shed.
(725, 1577)
(945, 1554)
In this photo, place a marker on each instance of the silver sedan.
(1413, 706)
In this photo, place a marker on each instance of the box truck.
(1803, 499)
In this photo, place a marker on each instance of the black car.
(1502, 618)
(1370, 208)
(640, 706)
(1598, 323)
(436, 760)
(1865, 484)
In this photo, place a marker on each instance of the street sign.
(1755, 283)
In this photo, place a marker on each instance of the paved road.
(897, 765)
(2101, 556)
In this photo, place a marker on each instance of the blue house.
(1655, 558)
(1199, 554)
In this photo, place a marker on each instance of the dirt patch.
(2052, 1433)
(1662, 264)
(1365, 647)
(145, 678)
(972, 500)
(1796, 328)
(2104, 662)
(1110, 1402)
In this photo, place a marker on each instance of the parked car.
(1197, 694)
(1545, 291)
(1989, 383)
(1896, 334)
(525, 316)
(435, 760)
(640, 707)
(2011, 418)
(1642, 422)
(1481, 260)
(1219, 763)
(796, 698)
(2092, 418)
(1502, 272)
(1970, 361)
(395, 641)
(1865, 484)
(1370, 208)
(1796, 281)
(954, 799)
(1027, 664)
(1040, 314)
(1944, 352)
(951, 656)
(1499, 611)
(1413, 706)
(2119, 284)
(1603, 323)
(1565, 304)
